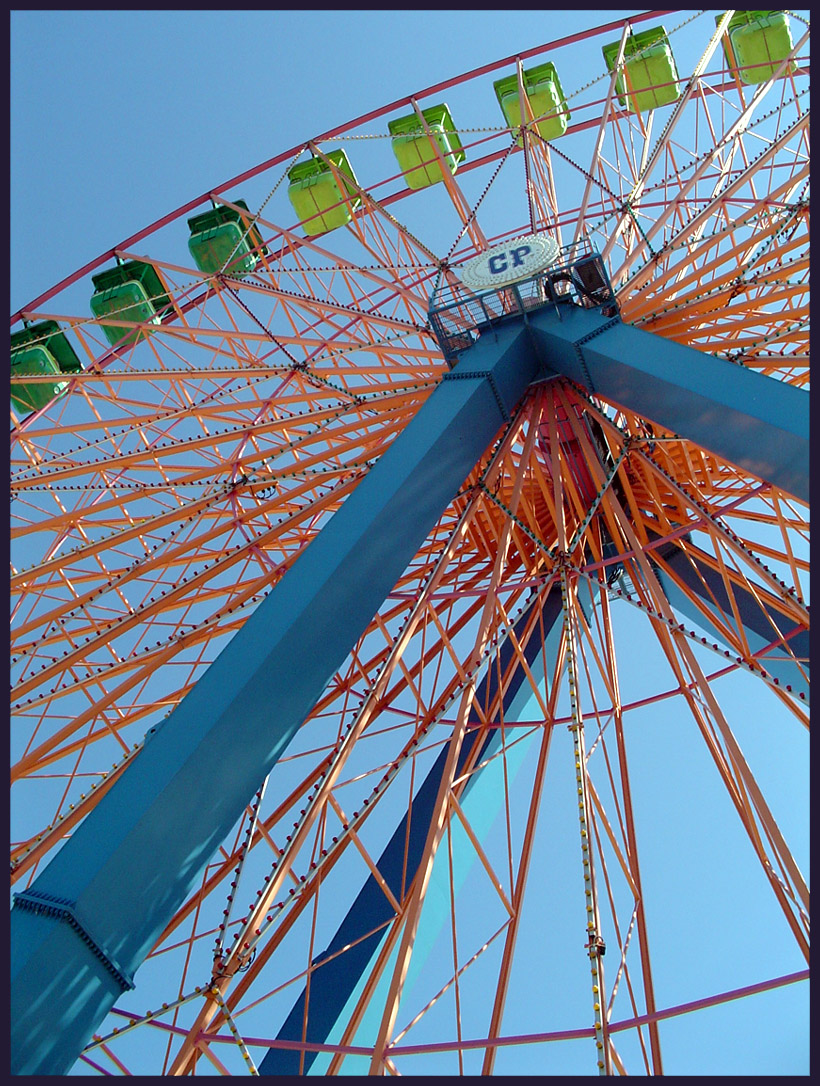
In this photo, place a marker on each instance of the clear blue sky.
(117, 118)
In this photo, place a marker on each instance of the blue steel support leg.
(338, 977)
(760, 619)
(93, 914)
(755, 422)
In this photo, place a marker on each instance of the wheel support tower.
(91, 917)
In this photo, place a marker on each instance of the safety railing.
(458, 315)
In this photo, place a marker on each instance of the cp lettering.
(498, 263)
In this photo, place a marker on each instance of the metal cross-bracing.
(537, 739)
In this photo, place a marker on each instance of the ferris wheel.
(410, 544)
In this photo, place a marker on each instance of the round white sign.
(508, 263)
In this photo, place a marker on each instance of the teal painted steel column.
(94, 913)
(348, 956)
(755, 422)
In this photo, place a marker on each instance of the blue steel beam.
(755, 422)
(340, 970)
(759, 617)
(340, 973)
(93, 914)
